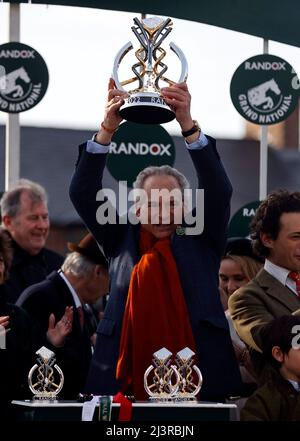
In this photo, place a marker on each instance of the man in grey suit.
(275, 291)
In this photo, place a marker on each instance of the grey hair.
(10, 203)
(163, 170)
(77, 264)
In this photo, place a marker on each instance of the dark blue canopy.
(272, 19)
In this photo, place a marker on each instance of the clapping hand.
(58, 332)
(4, 323)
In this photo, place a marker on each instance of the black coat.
(16, 355)
(52, 296)
(27, 270)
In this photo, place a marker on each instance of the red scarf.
(155, 315)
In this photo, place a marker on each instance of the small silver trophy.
(45, 378)
(173, 383)
(145, 103)
(190, 375)
(161, 387)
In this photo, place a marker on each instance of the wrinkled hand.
(112, 117)
(115, 100)
(179, 100)
(4, 323)
(57, 333)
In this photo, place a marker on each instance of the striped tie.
(294, 275)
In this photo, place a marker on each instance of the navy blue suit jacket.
(197, 257)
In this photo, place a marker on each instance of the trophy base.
(45, 396)
(146, 108)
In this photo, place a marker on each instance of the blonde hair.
(249, 266)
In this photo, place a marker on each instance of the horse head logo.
(257, 96)
(8, 83)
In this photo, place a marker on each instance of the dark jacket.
(16, 355)
(27, 270)
(52, 296)
(276, 400)
(197, 258)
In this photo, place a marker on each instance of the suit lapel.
(61, 286)
(275, 289)
(66, 299)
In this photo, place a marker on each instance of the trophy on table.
(190, 375)
(166, 382)
(45, 378)
(161, 380)
(145, 103)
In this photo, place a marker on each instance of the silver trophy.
(161, 380)
(45, 378)
(166, 382)
(145, 103)
(190, 375)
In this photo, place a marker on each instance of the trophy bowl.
(145, 103)
(146, 108)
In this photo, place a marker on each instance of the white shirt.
(295, 385)
(74, 295)
(72, 290)
(281, 274)
(95, 147)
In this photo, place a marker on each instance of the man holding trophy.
(163, 281)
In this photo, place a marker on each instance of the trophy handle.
(174, 387)
(30, 378)
(119, 57)
(197, 370)
(146, 374)
(128, 46)
(58, 386)
(183, 60)
(62, 379)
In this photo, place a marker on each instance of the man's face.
(159, 214)
(291, 364)
(285, 250)
(30, 227)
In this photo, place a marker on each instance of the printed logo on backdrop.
(239, 225)
(136, 146)
(23, 77)
(265, 89)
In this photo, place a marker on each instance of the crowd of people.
(234, 302)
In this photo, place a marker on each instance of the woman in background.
(18, 341)
(16, 347)
(238, 266)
